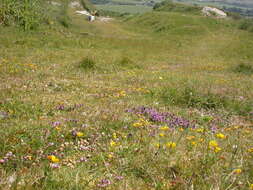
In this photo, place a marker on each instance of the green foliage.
(127, 63)
(63, 17)
(246, 24)
(87, 5)
(190, 97)
(170, 6)
(26, 13)
(243, 68)
(87, 63)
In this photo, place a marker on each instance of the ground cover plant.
(154, 101)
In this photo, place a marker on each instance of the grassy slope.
(137, 62)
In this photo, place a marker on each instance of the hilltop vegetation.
(161, 100)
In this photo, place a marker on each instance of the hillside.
(160, 100)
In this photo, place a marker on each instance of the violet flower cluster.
(170, 119)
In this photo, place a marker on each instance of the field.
(132, 9)
(161, 100)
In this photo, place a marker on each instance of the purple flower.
(162, 117)
(104, 183)
(83, 159)
(2, 161)
(56, 123)
(119, 177)
(54, 165)
(60, 107)
(214, 128)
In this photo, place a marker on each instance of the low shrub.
(246, 24)
(127, 63)
(170, 6)
(190, 97)
(87, 63)
(25, 13)
(244, 69)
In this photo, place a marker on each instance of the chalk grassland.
(133, 9)
(158, 101)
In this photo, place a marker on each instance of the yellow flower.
(114, 135)
(165, 128)
(112, 143)
(161, 134)
(213, 144)
(189, 138)
(193, 143)
(171, 145)
(200, 130)
(217, 149)
(157, 145)
(237, 171)
(53, 159)
(251, 186)
(122, 93)
(181, 129)
(79, 134)
(250, 150)
(220, 135)
(137, 124)
(110, 156)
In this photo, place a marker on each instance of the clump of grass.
(63, 17)
(170, 6)
(87, 63)
(190, 97)
(127, 63)
(246, 24)
(243, 68)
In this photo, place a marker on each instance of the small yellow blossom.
(201, 140)
(213, 144)
(189, 138)
(237, 171)
(251, 186)
(250, 150)
(122, 93)
(79, 134)
(53, 159)
(165, 128)
(161, 134)
(193, 143)
(157, 145)
(217, 149)
(112, 143)
(171, 145)
(220, 135)
(137, 124)
(181, 129)
(110, 156)
(200, 130)
(114, 135)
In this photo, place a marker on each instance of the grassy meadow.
(160, 101)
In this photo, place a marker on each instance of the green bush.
(244, 69)
(28, 14)
(127, 63)
(190, 97)
(246, 24)
(170, 6)
(87, 64)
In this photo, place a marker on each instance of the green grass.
(66, 92)
(133, 9)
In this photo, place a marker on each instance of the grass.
(133, 9)
(161, 109)
(244, 69)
